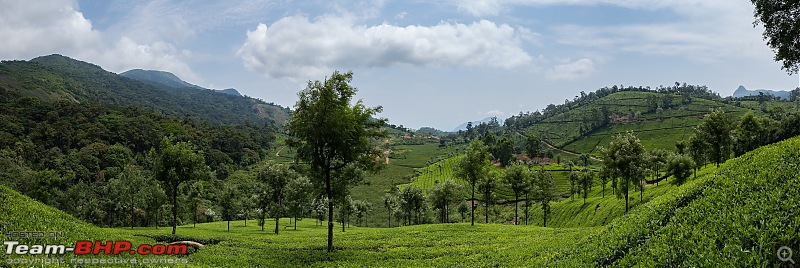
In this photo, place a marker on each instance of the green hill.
(588, 124)
(56, 77)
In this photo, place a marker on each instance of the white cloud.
(295, 47)
(571, 70)
(32, 29)
(497, 113)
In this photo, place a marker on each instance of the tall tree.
(697, 150)
(179, 163)
(533, 145)
(544, 188)
(585, 181)
(504, 150)
(443, 195)
(390, 203)
(473, 168)
(625, 156)
(412, 204)
(781, 22)
(276, 178)
(605, 175)
(331, 135)
(715, 130)
(516, 178)
(487, 187)
(749, 134)
(298, 197)
(229, 203)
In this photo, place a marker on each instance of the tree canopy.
(781, 20)
(334, 137)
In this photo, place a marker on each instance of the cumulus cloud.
(571, 70)
(296, 47)
(32, 29)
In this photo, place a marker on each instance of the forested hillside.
(81, 157)
(56, 77)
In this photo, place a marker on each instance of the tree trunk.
(487, 211)
(626, 198)
(295, 224)
(229, 225)
(516, 210)
(174, 208)
(330, 209)
(194, 225)
(277, 219)
(472, 205)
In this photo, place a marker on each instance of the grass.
(414, 246)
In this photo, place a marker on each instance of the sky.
(428, 63)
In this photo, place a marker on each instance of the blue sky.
(428, 63)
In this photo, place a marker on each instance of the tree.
(657, 157)
(749, 134)
(443, 195)
(298, 197)
(133, 189)
(390, 203)
(516, 178)
(533, 145)
(625, 157)
(715, 130)
(504, 150)
(275, 178)
(473, 167)
(331, 135)
(229, 204)
(412, 204)
(605, 175)
(361, 209)
(697, 150)
(781, 28)
(463, 208)
(544, 188)
(585, 181)
(680, 166)
(179, 163)
(487, 187)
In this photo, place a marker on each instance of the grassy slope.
(735, 216)
(21, 213)
(656, 130)
(413, 246)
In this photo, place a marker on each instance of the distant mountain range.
(167, 79)
(475, 123)
(58, 78)
(743, 92)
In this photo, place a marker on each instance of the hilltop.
(167, 79)
(58, 78)
(741, 91)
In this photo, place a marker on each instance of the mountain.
(231, 91)
(59, 78)
(158, 78)
(743, 92)
(475, 123)
(167, 79)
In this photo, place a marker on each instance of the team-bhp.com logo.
(85, 247)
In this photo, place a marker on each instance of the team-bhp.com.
(86, 248)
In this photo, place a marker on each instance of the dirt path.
(278, 153)
(562, 150)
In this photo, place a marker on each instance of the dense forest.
(83, 158)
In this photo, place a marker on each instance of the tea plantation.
(734, 216)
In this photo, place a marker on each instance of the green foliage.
(624, 158)
(473, 168)
(781, 27)
(334, 137)
(680, 166)
(543, 188)
(179, 163)
(58, 78)
(715, 131)
(444, 195)
(413, 205)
